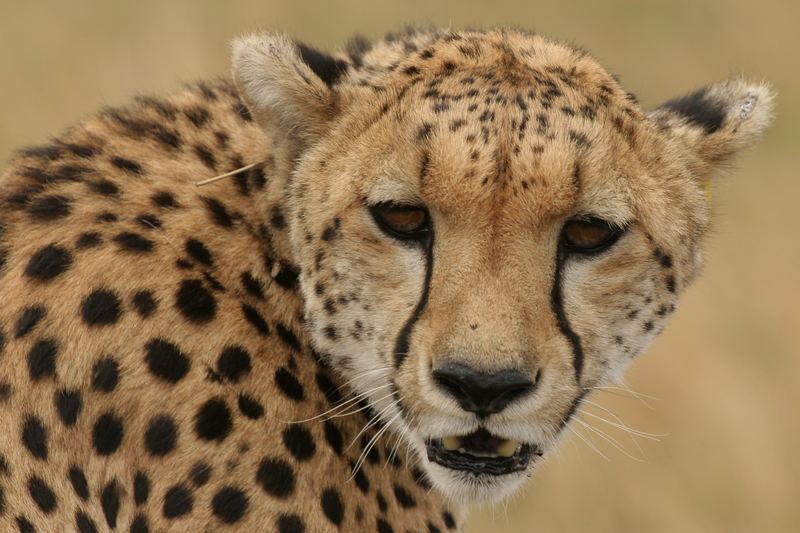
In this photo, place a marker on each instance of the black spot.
(42, 494)
(178, 501)
(104, 187)
(141, 488)
(420, 479)
(233, 363)
(133, 242)
(670, 283)
(24, 525)
(164, 199)
(78, 480)
(145, 303)
(334, 438)
(328, 68)
(127, 165)
(42, 359)
(166, 361)
(288, 337)
(68, 404)
(5, 392)
(107, 433)
(195, 302)
(34, 437)
(403, 497)
(250, 407)
(647, 326)
(449, 521)
(252, 285)
(287, 277)
(332, 506)
(255, 319)
(360, 478)
(48, 262)
(205, 156)
(290, 523)
(276, 477)
(384, 527)
(229, 504)
(433, 529)
(90, 239)
(148, 221)
(198, 251)
(299, 442)
(328, 388)
(699, 108)
(243, 112)
(200, 474)
(101, 308)
(197, 115)
(382, 505)
(277, 219)
(139, 524)
(49, 207)
(161, 435)
(28, 319)
(213, 420)
(107, 217)
(219, 213)
(84, 523)
(109, 501)
(289, 385)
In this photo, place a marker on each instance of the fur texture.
(156, 339)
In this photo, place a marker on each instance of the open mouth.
(481, 453)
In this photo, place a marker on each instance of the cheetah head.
(488, 227)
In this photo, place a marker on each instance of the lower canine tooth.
(451, 443)
(507, 448)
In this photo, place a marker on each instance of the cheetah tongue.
(481, 445)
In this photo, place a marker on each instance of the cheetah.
(428, 250)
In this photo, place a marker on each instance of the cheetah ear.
(285, 84)
(717, 121)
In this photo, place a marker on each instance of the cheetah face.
(488, 228)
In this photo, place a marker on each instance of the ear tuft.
(287, 88)
(719, 120)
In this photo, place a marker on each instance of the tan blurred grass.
(726, 369)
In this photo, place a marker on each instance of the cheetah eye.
(589, 236)
(405, 222)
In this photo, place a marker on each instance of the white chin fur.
(466, 489)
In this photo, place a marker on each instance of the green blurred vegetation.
(726, 370)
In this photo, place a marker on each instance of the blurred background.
(724, 375)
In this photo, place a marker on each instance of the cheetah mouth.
(481, 453)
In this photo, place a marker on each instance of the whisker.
(588, 443)
(638, 433)
(611, 440)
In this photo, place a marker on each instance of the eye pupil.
(589, 236)
(407, 222)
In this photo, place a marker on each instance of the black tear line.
(557, 304)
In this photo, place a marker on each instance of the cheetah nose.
(481, 393)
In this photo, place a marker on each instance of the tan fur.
(502, 135)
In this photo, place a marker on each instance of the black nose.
(482, 394)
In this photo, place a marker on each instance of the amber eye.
(406, 222)
(589, 236)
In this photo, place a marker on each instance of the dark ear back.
(328, 68)
(716, 122)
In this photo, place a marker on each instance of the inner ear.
(328, 68)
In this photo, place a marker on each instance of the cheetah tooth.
(451, 443)
(507, 448)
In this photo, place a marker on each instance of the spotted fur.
(157, 340)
